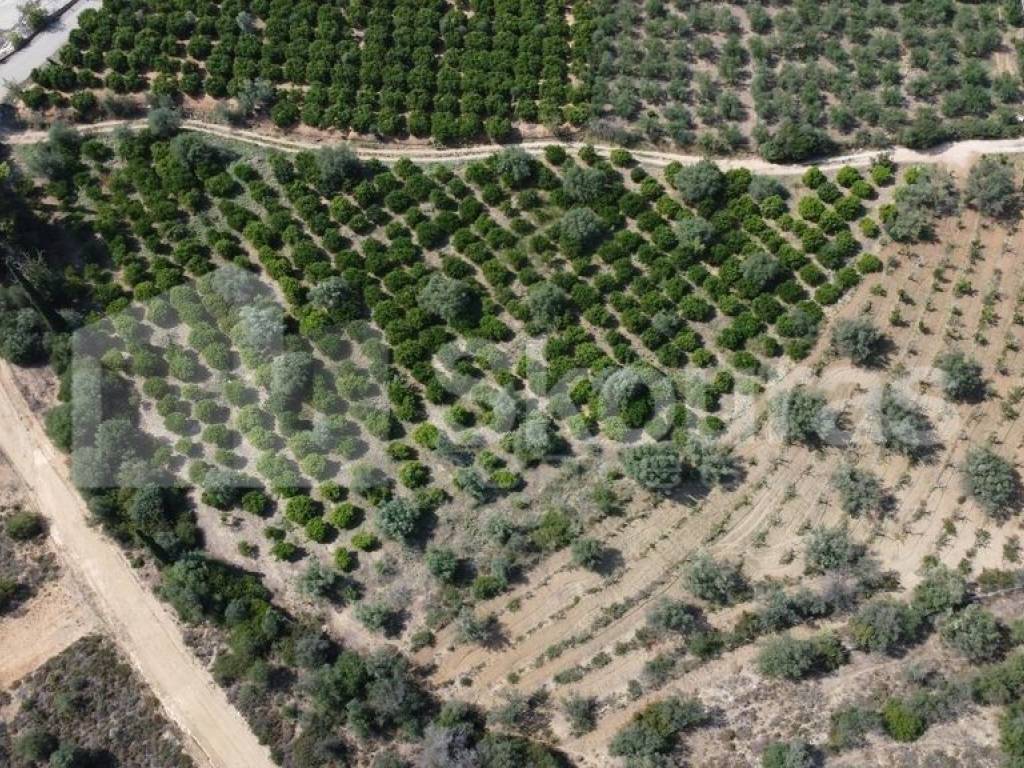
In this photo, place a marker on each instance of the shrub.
(256, 503)
(580, 713)
(35, 744)
(782, 754)
(654, 731)
(345, 559)
(23, 525)
(975, 634)
(285, 551)
(318, 530)
(1011, 734)
(442, 563)
(21, 336)
(413, 474)
(901, 722)
(554, 530)
(301, 509)
(790, 658)
(587, 553)
(672, 616)
(962, 379)
(884, 626)
(850, 726)
(859, 340)
(992, 481)
(722, 583)
(365, 541)
(831, 549)
(488, 585)
(345, 515)
(939, 591)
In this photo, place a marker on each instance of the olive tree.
(930, 192)
(962, 379)
(336, 167)
(450, 299)
(831, 549)
(580, 230)
(548, 305)
(722, 583)
(654, 466)
(858, 339)
(801, 416)
(860, 491)
(991, 189)
(992, 481)
(397, 518)
(700, 182)
(902, 426)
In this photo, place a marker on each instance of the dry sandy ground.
(139, 622)
(50, 622)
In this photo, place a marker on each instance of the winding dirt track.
(138, 621)
(958, 154)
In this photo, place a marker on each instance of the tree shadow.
(611, 562)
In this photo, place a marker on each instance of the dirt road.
(140, 623)
(959, 154)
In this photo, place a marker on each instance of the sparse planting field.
(582, 440)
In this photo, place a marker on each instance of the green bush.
(975, 634)
(345, 515)
(884, 626)
(794, 659)
(782, 754)
(365, 541)
(901, 722)
(23, 525)
(722, 583)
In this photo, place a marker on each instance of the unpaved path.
(139, 622)
(959, 154)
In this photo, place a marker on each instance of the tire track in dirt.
(958, 154)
